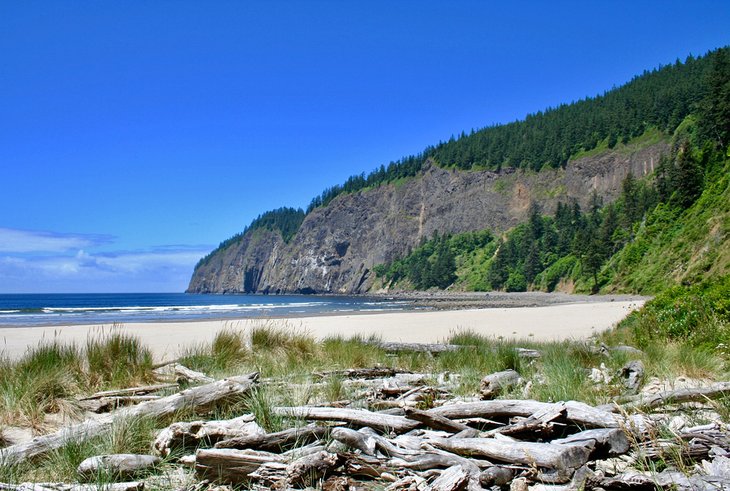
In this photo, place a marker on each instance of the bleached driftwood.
(455, 478)
(495, 383)
(132, 391)
(106, 404)
(181, 373)
(562, 458)
(275, 442)
(123, 466)
(230, 465)
(600, 441)
(575, 412)
(539, 422)
(355, 439)
(355, 417)
(363, 373)
(395, 347)
(201, 398)
(714, 391)
(307, 470)
(59, 486)
(435, 421)
(189, 435)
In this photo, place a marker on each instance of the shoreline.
(552, 322)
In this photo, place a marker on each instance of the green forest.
(632, 244)
(606, 247)
(657, 99)
(286, 221)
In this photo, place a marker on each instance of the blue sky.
(135, 136)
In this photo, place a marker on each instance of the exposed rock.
(338, 245)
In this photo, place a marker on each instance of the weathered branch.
(201, 398)
(355, 417)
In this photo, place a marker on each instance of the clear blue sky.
(135, 136)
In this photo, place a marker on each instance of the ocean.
(20, 310)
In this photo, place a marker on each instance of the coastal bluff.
(337, 245)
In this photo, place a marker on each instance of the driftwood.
(59, 486)
(600, 441)
(362, 466)
(632, 374)
(564, 459)
(180, 436)
(678, 396)
(231, 466)
(539, 422)
(363, 373)
(394, 347)
(106, 404)
(355, 439)
(435, 421)
(132, 391)
(201, 398)
(494, 384)
(355, 417)
(123, 466)
(275, 441)
(307, 470)
(181, 373)
(455, 478)
(575, 412)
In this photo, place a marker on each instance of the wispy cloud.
(27, 241)
(51, 262)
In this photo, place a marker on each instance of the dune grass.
(48, 378)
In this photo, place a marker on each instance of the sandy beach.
(168, 339)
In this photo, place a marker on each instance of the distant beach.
(545, 318)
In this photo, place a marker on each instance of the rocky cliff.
(337, 246)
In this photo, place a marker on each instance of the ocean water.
(106, 308)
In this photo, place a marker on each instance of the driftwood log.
(435, 421)
(121, 466)
(355, 417)
(31, 486)
(563, 458)
(132, 391)
(699, 394)
(231, 466)
(495, 383)
(394, 347)
(181, 373)
(575, 412)
(274, 442)
(201, 398)
(181, 436)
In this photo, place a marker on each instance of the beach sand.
(168, 339)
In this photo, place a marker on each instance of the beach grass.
(297, 369)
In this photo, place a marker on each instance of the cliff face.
(337, 246)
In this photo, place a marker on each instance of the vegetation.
(434, 262)
(286, 221)
(44, 380)
(648, 107)
(657, 100)
(672, 228)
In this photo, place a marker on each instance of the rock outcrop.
(337, 245)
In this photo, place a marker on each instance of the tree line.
(660, 98)
(574, 243)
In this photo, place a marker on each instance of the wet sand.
(168, 339)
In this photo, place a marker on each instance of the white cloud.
(28, 241)
(163, 269)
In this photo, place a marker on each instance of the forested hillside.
(672, 227)
(657, 99)
(402, 222)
